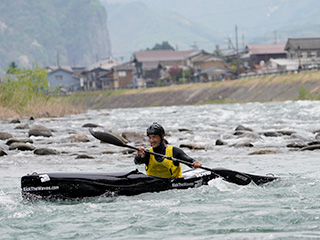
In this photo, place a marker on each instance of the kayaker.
(157, 166)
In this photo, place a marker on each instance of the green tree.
(218, 52)
(12, 68)
(163, 46)
(22, 86)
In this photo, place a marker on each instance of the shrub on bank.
(25, 93)
(305, 94)
(21, 86)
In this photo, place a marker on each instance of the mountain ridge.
(213, 23)
(46, 33)
(80, 32)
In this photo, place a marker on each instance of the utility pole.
(275, 37)
(299, 54)
(194, 46)
(237, 51)
(230, 44)
(58, 60)
(243, 39)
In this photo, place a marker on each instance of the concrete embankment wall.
(266, 89)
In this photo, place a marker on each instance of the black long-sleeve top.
(161, 149)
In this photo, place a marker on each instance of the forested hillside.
(73, 32)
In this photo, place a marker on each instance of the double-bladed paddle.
(226, 174)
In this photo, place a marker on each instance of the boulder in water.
(21, 146)
(39, 130)
(2, 153)
(192, 146)
(252, 135)
(272, 134)
(79, 138)
(46, 151)
(220, 142)
(82, 156)
(243, 128)
(264, 151)
(15, 120)
(296, 145)
(311, 147)
(5, 135)
(21, 140)
(134, 137)
(22, 126)
(244, 144)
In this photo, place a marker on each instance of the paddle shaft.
(228, 175)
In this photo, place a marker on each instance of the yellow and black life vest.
(165, 168)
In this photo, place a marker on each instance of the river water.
(286, 209)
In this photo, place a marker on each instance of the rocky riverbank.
(294, 86)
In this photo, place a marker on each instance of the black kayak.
(73, 186)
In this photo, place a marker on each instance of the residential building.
(124, 76)
(202, 61)
(119, 76)
(281, 65)
(64, 77)
(99, 76)
(194, 57)
(305, 50)
(150, 64)
(209, 61)
(260, 54)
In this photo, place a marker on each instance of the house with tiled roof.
(124, 76)
(65, 78)
(304, 50)
(201, 61)
(260, 54)
(205, 62)
(99, 75)
(170, 57)
(121, 76)
(150, 63)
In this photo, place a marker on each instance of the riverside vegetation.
(24, 95)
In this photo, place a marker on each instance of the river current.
(286, 209)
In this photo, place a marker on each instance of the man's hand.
(140, 152)
(197, 164)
